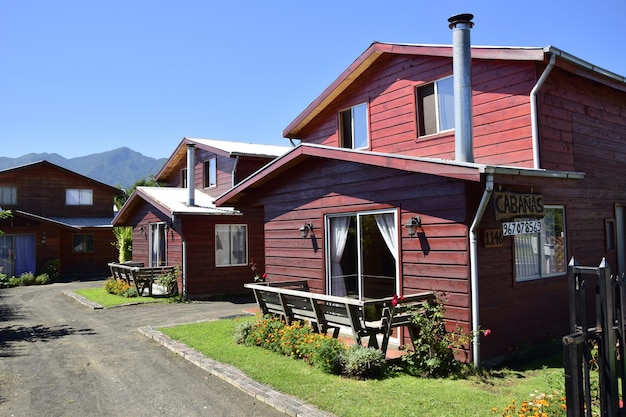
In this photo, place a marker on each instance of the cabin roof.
(172, 201)
(377, 49)
(74, 223)
(468, 171)
(27, 166)
(226, 148)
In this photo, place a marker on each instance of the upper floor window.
(8, 196)
(183, 178)
(210, 173)
(353, 131)
(539, 255)
(435, 106)
(78, 197)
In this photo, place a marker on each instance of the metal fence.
(596, 348)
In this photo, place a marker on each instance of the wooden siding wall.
(91, 262)
(501, 110)
(203, 277)
(436, 260)
(41, 190)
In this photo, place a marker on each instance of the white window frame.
(220, 261)
(79, 197)
(359, 127)
(157, 253)
(441, 102)
(540, 246)
(329, 245)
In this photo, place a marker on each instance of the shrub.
(131, 292)
(14, 282)
(42, 279)
(52, 269)
(117, 287)
(363, 362)
(27, 278)
(296, 340)
(169, 280)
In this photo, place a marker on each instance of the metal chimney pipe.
(462, 70)
(190, 168)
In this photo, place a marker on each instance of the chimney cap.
(461, 18)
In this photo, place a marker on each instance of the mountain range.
(121, 167)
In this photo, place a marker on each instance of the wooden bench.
(140, 277)
(292, 301)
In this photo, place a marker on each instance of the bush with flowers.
(258, 276)
(435, 349)
(300, 341)
(119, 287)
(539, 405)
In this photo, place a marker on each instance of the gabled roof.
(172, 201)
(378, 49)
(467, 171)
(226, 148)
(60, 168)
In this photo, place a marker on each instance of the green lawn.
(100, 296)
(400, 395)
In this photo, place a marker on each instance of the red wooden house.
(401, 197)
(57, 214)
(178, 223)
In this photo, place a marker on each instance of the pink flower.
(487, 332)
(394, 300)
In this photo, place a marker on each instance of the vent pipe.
(462, 70)
(190, 168)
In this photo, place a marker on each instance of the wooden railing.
(293, 301)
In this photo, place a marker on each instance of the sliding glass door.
(362, 254)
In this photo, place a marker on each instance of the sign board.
(508, 205)
(525, 227)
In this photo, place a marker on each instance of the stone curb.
(83, 300)
(282, 402)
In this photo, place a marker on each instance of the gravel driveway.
(61, 358)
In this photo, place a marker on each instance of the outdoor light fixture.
(43, 238)
(142, 230)
(412, 225)
(305, 229)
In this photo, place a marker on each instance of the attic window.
(353, 131)
(435, 106)
(210, 173)
(8, 196)
(78, 197)
(183, 178)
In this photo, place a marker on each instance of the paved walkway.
(284, 403)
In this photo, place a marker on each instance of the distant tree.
(121, 199)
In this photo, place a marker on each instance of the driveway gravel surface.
(59, 357)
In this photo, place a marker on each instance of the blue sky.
(80, 77)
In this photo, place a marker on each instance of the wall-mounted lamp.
(305, 229)
(412, 225)
(142, 230)
(43, 238)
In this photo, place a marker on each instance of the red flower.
(487, 332)
(394, 300)
(264, 276)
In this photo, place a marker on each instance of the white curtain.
(387, 225)
(339, 236)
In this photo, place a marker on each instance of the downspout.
(179, 229)
(533, 110)
(474, 269)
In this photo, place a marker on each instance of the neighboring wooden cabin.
(212, 246)
(374, 157)
(57, 215)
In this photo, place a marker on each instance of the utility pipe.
(474, 269)
(533, 110)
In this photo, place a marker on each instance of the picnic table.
(139, 276)
(293, 301)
